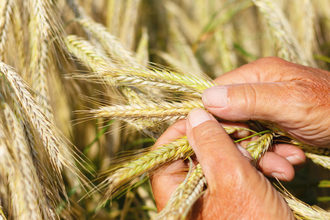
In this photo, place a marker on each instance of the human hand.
(236, 190)
(294, 97)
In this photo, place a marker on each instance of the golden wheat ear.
(55, 145)
(300, 209)
(7, 9)
(185, 195)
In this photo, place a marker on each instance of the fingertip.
(291, 153)
(276, 166)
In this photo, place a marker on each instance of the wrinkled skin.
(294, 97)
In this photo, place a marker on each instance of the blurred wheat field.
(87, 86)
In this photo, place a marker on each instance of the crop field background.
(87, 86)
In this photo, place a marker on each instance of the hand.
(236, 190)
(294, 97)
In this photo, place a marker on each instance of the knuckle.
(208, 133)
(270, 60)
(250, 96)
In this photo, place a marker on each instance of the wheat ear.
(19, 36)
(7, 6)
(184, 196)
(88, 54)
(281, 29)
(123, 173)
(40, 30)
(52, 141)
(98, 62)
(110, 44)
(162, 111)
(11, 173)
(33, 196)
(258, 147)
(139, 99)
(145, 163)
(301, 210)
(322, 160)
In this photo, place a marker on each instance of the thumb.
(257, 101)
(214, 149)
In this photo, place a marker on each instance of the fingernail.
(294, 159)
(279, 176)
(215, 97)
(244, 152)
(198, 116)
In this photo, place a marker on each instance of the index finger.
(175, 131)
